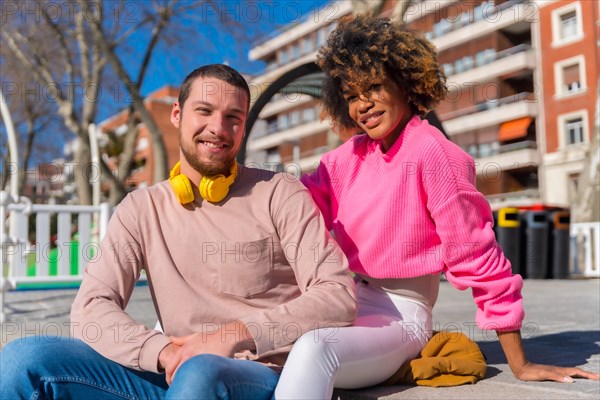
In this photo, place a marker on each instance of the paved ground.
(562, 326)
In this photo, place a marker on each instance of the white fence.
(585, 249)
(42, 244)
(26, 258)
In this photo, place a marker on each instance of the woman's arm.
(512, 344)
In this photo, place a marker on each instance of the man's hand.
(229, 339)
(166, 354)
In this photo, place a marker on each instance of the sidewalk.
(562, 326)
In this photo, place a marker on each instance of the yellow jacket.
(448, 359)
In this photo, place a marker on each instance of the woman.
(402, 203)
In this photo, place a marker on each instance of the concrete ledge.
(561, 327)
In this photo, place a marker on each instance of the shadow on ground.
(571, 348)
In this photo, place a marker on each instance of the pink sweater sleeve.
(319, 185)
(473, 259)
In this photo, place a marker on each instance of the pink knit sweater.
(413, 211)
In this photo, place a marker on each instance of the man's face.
(211, 127)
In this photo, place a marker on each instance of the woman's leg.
(388, 331)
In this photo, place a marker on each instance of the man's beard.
(210, 168)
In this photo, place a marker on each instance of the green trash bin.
(508, 234)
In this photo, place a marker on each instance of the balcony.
(307, 160)
(303, 26)
(286, 135)
(284, 103)
(450, 34)
(503, 64)
(492, 112)
(521, 198)
(509, 157)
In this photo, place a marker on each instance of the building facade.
(289, 134)
(159, 104)
(523, 90)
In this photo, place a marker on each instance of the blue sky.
(197, 37)
(214, 43)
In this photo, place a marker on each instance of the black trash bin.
(536, 244)
(509, 237)
(559, 253)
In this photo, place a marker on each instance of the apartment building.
(487, 51)
(159, 104)
(289, 134)
(522, 79)
(569, 68)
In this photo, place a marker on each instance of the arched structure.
(268, 92)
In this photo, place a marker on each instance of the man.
(234, 280)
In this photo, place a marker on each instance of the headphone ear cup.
(214, 188)
(182, 187)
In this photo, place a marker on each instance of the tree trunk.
(83, 172)
(158, 146)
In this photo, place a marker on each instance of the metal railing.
(46, 244)
(585, 249)
(489, 105)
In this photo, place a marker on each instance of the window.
(283, 56)
(272, 126)
(307, 45)
(321, 36)
(569, 76)
(448, 69)
(468, 62)
(483, 11)
(295, 50)
(459, 66)
(573, 185)
(282, 121)
(574, 130)
(294, 118)
(567, 25)
(309, 114)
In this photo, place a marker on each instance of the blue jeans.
(48, 367)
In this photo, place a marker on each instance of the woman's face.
(380, 109)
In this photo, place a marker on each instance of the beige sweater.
(262, 256)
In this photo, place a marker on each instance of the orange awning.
(515, 129)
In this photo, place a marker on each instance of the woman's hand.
(512, 344)
(540, 372)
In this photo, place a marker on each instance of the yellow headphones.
(212, 188)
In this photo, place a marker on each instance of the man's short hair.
(220, 71)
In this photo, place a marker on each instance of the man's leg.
(211, 377)
(49, 367)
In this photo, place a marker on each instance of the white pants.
(389, 330)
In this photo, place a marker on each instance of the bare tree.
(66, 66)
(33, 119)
(73, 55)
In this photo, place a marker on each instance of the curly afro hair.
(362, 50)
